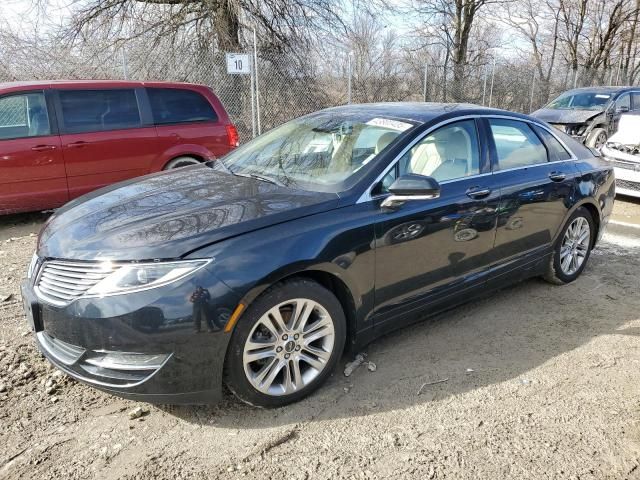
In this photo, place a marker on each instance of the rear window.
(99, 110)
(517, 145)
(174, 105)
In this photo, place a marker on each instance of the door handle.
(557, 176)
(478, 192)
(79, 144)
(43, 148)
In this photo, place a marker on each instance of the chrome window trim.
(366, 196)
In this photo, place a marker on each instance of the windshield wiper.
(261, 177)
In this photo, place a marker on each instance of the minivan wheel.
(286, 344)
(181, 162)
(572, 248)
(597, 138)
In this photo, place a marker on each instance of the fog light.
(128, 361)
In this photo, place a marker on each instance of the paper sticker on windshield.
(390, 124)
(600, 95)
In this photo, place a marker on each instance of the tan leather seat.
(384, 140)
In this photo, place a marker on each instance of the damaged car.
(622, 151)
(591, 114)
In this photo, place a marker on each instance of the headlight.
(144, 276)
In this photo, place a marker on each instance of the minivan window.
(516, 144)
(24, 115)
(635, 101)
(175, 105)
(99, 110)
(556, 151)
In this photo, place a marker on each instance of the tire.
(281, 372)
(597, 138)
(178, 162)
(558, 271)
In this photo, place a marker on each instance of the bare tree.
(455, 21)
(538, 22)
(223, 24)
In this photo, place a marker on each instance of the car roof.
(29, 85)
(421, 112)
(603, 89)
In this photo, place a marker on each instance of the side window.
(98, 110)
(176, 105)
(635, 101)
(516, 144)
(623, 102)
(24, 115)
(556, 151)
(448, 153)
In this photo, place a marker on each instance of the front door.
(427, 250)
(104, 137)
(32, 174)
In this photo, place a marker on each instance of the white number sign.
(238, 63)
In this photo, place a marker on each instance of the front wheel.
(597, 138)
(572, 248)
(181, 162)
(286, 344)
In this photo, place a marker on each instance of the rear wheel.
(597, 138)
(286, 344)
(181, 162)
(572, 249)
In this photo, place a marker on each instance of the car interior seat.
(384, 140)
(455, 151)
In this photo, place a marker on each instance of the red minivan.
(61, 139)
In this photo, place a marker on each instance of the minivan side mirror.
(411, 187)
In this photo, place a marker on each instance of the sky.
(23, 14)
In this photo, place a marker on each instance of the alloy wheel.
(288, 347)
(601, 139)
(575, 246)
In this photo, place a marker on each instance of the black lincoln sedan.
(259, 268)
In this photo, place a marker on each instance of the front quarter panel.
(339, 243)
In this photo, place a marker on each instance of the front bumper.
(142, 345)
(627, 171)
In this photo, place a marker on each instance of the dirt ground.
(537, 381)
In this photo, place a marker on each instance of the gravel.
(536, 381)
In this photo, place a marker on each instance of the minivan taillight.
(234, 138)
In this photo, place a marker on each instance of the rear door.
(32, 174)
(105, 136)
(184, 118)
(536, 179)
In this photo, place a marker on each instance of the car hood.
(169, 214)
(551, 115)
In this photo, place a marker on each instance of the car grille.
(625, 165)
(60, 282)
(628, 185)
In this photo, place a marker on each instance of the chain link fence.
(281, 87)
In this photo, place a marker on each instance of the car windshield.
(319, 152)
(581, 101)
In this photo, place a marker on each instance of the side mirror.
(411, 187)
(622, 109)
